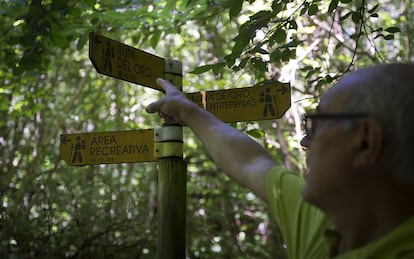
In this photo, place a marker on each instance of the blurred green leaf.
(201, 69)
(59, 40)
(155, 38)
(256, 133)
(389, 37)
(235, 8)
(393, 29)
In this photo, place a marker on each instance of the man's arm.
(240, 157)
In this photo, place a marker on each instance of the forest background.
(49, 87)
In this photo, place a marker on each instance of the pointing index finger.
(165, 85)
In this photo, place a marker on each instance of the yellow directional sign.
(113, 58)
(108, 147)
(264, 101)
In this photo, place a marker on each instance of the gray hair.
(386, 92)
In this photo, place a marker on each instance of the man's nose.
(306, 141)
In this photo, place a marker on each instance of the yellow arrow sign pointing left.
(112, 147)
(115, 59)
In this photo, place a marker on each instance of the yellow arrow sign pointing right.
(261, 102)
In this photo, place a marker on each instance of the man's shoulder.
(399, 243)
(280, 176)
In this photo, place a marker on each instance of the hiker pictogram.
(79, 147)
(269, 100)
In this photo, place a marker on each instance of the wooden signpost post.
(267, 100)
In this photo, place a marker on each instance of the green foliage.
(49, 87)
(271, 38)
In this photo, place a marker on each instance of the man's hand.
(173, 107)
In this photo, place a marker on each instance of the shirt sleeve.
(302, 225)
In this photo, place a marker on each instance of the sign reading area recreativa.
(108, 147)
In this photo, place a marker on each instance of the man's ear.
(369, 142)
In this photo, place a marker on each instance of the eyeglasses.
(310, 120)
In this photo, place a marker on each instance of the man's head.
(364, 128)
(387, 94)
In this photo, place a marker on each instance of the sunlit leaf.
(256, 133)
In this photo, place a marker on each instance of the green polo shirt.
(307, 232)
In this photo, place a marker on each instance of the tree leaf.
(393, 29)
(201, 69)
(313, 9)
(287, 54)
(256, 133)
(389, 37)
(169, 6)
(356, 17)
(332, 6)
(261, 51)
(90, 3)
(279, 36)
(259, 64)
(345, 16)
(293, 25)
(373, 9)
(241, 65)
(235, 8)
(155, 38)
(261, 15)
(83, 39)
(276, 7)
(59, 40)
(241, 41)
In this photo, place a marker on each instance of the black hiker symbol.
(109, 54)
(269, 100)
(79, 146)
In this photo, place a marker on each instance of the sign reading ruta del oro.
(108, 147)
(122, 61)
